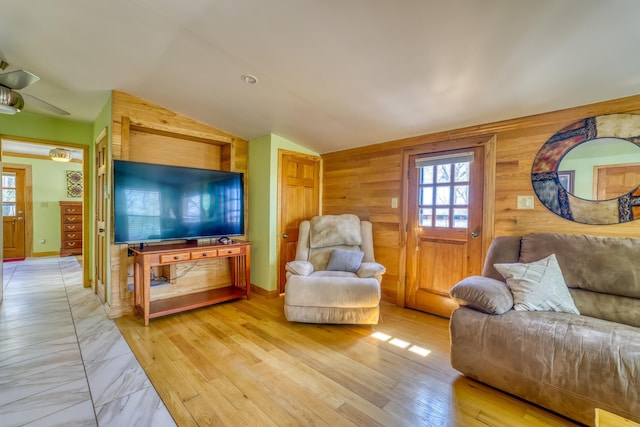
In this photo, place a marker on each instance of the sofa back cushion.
(610, 265)
(604, 272)
(503, 250)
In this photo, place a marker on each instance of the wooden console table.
(239, 257)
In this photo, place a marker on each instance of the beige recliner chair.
(334, 278)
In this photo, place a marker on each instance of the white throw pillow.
(538, 286)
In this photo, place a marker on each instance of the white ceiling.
(10, 146)
(332, 73)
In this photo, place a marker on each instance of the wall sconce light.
(60, 155)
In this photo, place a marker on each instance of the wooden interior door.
(13, 213)
(444, 242)
(100, 224)
(299, 199)
(615, 180)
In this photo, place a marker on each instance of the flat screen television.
(157, 202)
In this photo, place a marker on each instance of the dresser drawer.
(77, 235)
(72, 219)
(72, 210)
(184, 256)
(74, 244)
(72, 227)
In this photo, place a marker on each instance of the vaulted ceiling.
(331, 74)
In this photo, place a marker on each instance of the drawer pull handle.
(204, 254)
(176, 257)
(229, 251)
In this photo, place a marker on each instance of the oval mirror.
(613, 196)
(601, 169)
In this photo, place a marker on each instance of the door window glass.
(443, 195)
(8, 194)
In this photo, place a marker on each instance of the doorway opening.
(30, 198)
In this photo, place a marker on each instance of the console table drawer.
(184, 256)
(211, 253)
(230, 251)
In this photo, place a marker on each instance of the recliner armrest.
(371, 269)
(299, 268)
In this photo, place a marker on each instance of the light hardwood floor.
(242, 363)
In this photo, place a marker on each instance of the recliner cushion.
(331, 291)
(334, 230)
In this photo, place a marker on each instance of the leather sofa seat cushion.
(537, 354)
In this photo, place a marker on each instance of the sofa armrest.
(371, 269)
(484, 294)
(299, 268)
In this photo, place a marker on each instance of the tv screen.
(156, 202)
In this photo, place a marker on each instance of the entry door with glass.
(444, 226)
(13, 205)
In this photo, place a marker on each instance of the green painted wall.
(49, 188)
(259, 208)
(36, 126)
(263, 205)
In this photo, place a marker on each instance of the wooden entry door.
(13, 213)
(100, 223)
(444, 242)
(299, 199)
(613, 181)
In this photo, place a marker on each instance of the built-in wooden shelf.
(163, 307)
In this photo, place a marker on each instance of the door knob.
(284, 236)
(474, 235)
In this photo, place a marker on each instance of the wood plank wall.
(364, 180)
(145, 132)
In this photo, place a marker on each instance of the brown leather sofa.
(568, 363)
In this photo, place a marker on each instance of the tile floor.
(62, 361)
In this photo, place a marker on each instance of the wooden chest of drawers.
(71, 228)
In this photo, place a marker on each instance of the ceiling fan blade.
(18, 79)
(37, 102)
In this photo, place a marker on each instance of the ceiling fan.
(12, 102)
